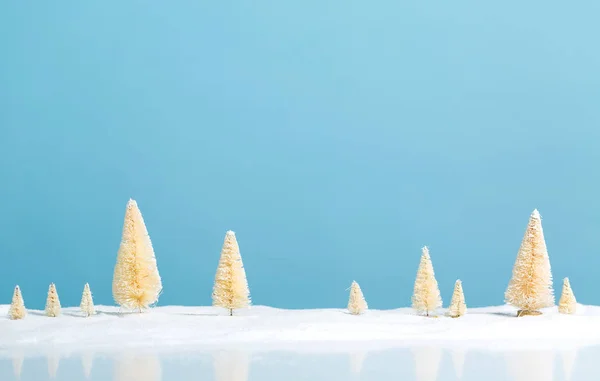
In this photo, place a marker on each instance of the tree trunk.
(521, 313)
(231, 312)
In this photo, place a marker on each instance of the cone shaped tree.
(457, 304)
(17, 306)
(356, 303)
(531, 285)
(87, 303)
(426, 297)
(52, 302)
(136, 281)
(567, 303)
(231, 287)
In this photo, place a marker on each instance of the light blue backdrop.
(336, 138)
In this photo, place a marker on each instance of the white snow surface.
(260, 328)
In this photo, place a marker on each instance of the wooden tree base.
(528, 313)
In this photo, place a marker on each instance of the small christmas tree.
(136, 281)
(17, 306)
(52, 302)
(531, 285)
(567, 303)
(457, 304)
(87, 303)
(426, 297)
(231, 287)
(356, 303)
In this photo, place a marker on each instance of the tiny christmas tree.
(530, 288)
(457, 303)
(356, 303)
(87, 303)
(231, 287)
(567, 303)
(426, 297)
(136, 281)
(52, 302)
(17, 306)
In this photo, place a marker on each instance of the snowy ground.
(180, 329)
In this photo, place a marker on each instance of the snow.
(260, 328)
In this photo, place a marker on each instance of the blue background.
(336, 138)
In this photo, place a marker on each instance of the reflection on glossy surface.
(231, 365)
(53, 363)
(531, 365)
(458, 360)
(132, 367)
(427, 363)
(356, 361)
(415, 364)
(87, 360)
(568, 358)
(17, 363)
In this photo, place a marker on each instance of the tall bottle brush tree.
(53, 308)
(230, 290)
(530, 287)
(87, 302)
(458, 307)
(426, 297)
(136, 281)
(17, 306)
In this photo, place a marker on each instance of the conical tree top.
(530, 287)
(136, 281)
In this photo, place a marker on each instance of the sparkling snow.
(181, 329)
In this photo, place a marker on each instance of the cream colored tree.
(53, 308)
(87, 302)
(356, 303)
(457, 303)
(567, 303)
(230, 290)
(530, 288)
(426, 297)
(17, 306)
(136, 281)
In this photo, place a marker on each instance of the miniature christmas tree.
(231, 287)
(457, 304)
(530, 288)
(356, 303)
(17, 306)
(136, 281)
(52, 302)
(426, 297)
(87, 303)
(567, 303)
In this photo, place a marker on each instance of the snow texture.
(181, 329)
